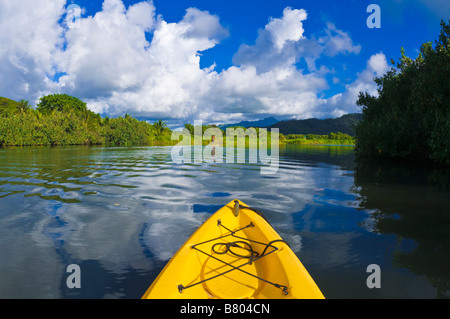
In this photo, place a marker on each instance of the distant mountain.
(260, 123)
(344, 124)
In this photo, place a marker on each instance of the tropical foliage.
(410, 117)
(60, 119)
(332, 138)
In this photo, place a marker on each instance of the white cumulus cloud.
(130, 60)
(30, 35)
(345, 102)
(288, 28)
(337, 41)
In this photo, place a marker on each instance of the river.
(120, 213)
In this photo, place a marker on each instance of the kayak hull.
(235, 254)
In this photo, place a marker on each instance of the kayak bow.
(234, 254)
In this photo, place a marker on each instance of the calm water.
(121, 213)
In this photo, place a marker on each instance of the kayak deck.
(235, 254)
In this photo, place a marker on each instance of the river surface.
(120, 213)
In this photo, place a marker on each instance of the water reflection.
(413, 203)
(121, 213)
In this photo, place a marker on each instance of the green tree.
(68, 104)
(159, 127)
(62, 103)
(61, 119)
(23, 106)
(8, 107)
(127, 131)
(410, 117)
(190, 128)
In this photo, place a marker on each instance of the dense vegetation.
(331, 139)
(345, 124)
(410, 117)
(60, 119)
(250, 135)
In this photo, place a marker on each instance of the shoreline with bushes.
(315, 139)
(60, 119)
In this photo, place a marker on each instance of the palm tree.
(23, 106)
(159, 127)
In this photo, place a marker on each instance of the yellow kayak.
(235, 254)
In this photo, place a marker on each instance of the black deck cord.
(249, 248)
(253, 254)
(261, 214)
(255, 210)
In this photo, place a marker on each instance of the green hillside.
(344, 124)
(260, 123)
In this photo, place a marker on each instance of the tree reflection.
(412, 202)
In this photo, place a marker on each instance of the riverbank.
(60, 119)
(314, 139)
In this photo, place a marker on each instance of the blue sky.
(216, 61)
